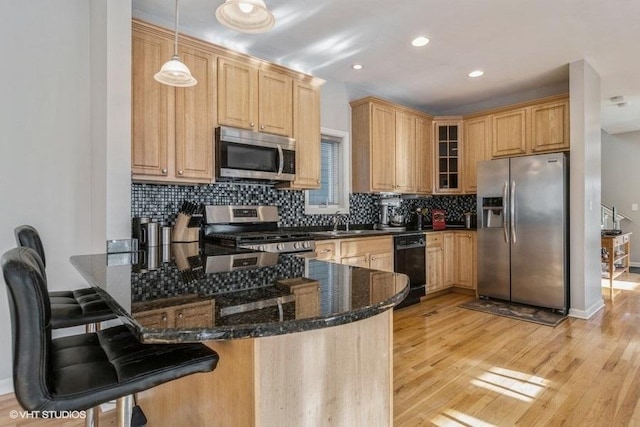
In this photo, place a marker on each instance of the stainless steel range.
(253, 227)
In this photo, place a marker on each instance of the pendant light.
(174, 72)
(246, 16)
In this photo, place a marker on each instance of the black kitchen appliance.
(410, 259)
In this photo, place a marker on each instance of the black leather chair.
(68, 308)
(79, 372)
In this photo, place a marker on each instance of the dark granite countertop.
(223, 297)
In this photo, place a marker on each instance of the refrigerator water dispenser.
(492, 212)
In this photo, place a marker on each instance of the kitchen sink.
(332, 233)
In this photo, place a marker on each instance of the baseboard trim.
(589, 312)
(6, 386)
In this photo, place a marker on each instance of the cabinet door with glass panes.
(448, 151)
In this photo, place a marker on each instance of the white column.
(585, 183)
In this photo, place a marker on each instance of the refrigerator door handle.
(505, 198)
(512, 213)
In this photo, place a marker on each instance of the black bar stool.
(79, 372)
(68, 308)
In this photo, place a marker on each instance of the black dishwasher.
(410, 259)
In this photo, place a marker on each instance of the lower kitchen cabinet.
(190, 315)
(451, 260)
(375, 253)
(327, 250)
(435, 262)
(465, 259)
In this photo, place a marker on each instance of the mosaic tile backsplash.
(161, 203)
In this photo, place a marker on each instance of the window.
(335, 182)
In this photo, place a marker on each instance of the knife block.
(182, 232)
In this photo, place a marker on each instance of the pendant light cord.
(175, 41)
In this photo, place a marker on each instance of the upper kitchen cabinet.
(550, 126)
(390, 148)
(476, 148)
(306, 132)
(535, 127)
(448, 155)
(255, 99)
(172, 128)
(509, 130)
(405, 152)
(424, 155)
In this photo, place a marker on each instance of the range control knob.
(297, 245)
(306, 245)
(280, 246)
(261, 248)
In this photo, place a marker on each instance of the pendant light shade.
(246, 16)
(174, 72)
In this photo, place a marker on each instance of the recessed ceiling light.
(476, 73)
(357, 66)
(420, 41)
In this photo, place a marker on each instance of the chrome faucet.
(336, 220)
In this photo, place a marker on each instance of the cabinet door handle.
(180, 315)
(164, 317)
(262, 127)
(251, 124)
(180, 172)
(164, 171)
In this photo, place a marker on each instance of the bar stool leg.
(124, 408)
(93, 416)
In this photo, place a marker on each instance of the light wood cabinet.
(306, 131)
(172, 128)
(448, 156)
(405, 152)
(375, 253)
(535, 127)
(307, 295)
(424, 155)
(465, 259)
(435, 262)
(391, 149)
(509, 133)
(449, 266)
(189, 315)
(327, 250)
(152, 104)
(476, 148)
(254, 99)
(550, 127)
(451, 260)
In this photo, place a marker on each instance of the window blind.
(329, 191)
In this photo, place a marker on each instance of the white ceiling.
(523, 46)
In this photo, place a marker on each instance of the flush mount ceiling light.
(357, 66)
(174, 72)
(476, 73)
(420, 41)
(246, 16)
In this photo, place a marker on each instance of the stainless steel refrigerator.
(523, 230)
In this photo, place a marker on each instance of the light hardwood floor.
(458, 367)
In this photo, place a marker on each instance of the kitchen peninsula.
(299, 340)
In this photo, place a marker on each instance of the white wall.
(335, 112)
(585, 178)
(53, 157)
(620, 175)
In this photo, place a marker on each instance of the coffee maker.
(387, 204)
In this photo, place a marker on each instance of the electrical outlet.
(634, 207)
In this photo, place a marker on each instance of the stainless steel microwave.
(245, 154)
